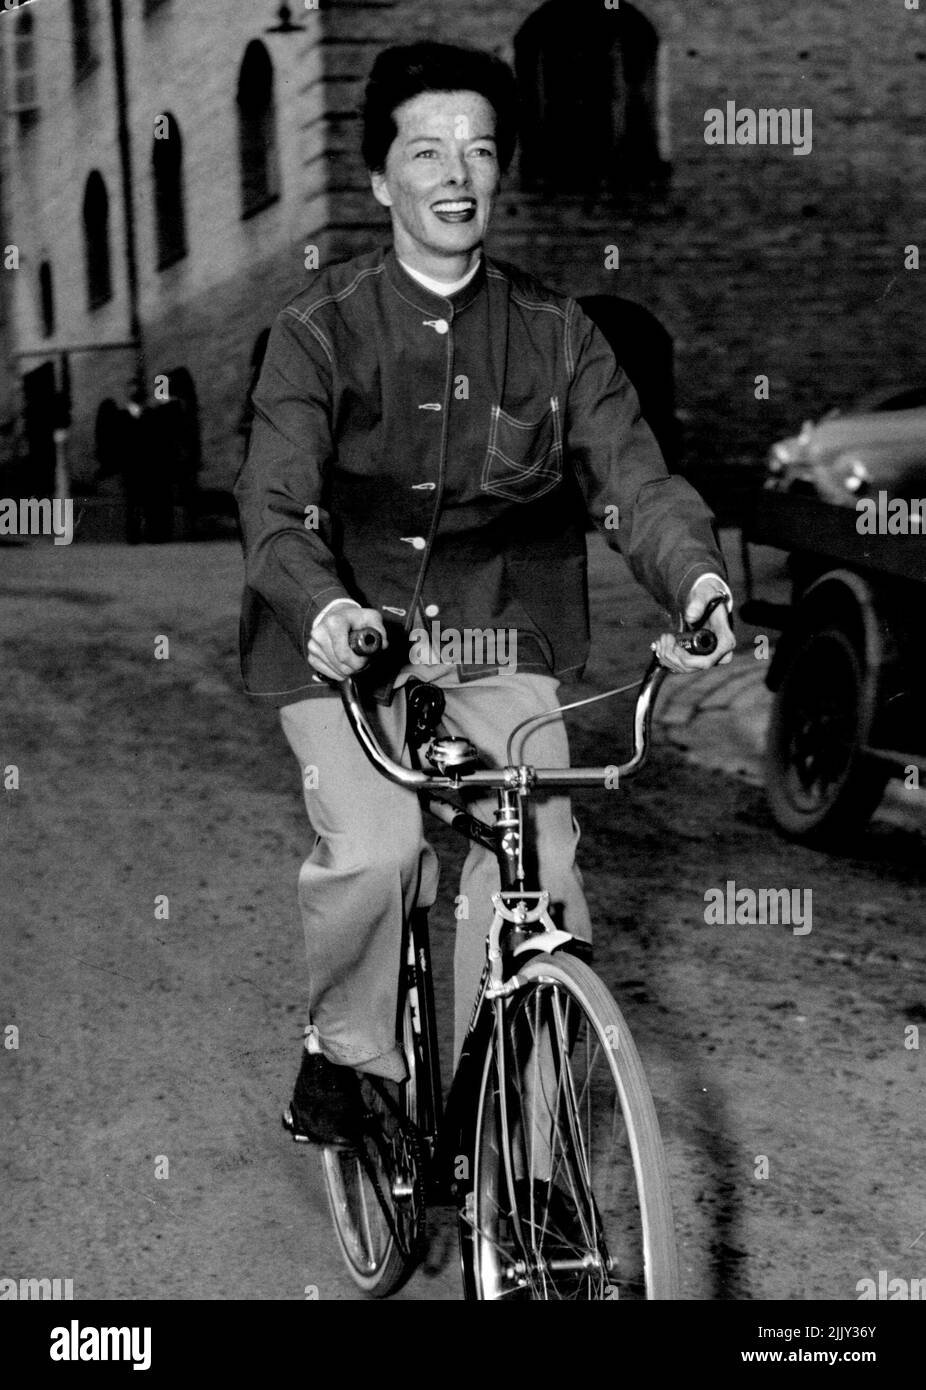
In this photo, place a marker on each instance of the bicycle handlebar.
(367, 642)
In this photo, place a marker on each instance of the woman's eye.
(424, 153)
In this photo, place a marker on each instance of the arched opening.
(167, 170)
(587, 77)
(96, 241)
(257, 147)
(40, 409)
(46, 299)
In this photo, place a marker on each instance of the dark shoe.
(326, 1107)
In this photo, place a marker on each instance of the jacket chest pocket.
(523, 460)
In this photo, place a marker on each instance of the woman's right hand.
(329, 653)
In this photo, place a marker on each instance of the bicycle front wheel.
(570, 1197)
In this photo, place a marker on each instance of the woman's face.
(440, 180)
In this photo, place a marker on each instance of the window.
(46, 300)
(588, 82)
(24, 94)
(167, 167)
(260, 182)
(84, 37)
(96, 241)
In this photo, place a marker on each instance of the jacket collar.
(420, 297)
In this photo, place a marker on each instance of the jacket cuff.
(335, 602)
(317, 605)
(703, 570)
(723, 584)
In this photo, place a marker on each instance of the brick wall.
(758, 261)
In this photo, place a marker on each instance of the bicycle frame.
(482, 1147)
(446, 1131)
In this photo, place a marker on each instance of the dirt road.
(142, 1155)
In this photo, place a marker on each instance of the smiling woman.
(450, 422)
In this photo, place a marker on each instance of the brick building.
(173, 219)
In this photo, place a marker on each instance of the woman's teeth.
(456, 211)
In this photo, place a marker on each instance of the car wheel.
(819, 782)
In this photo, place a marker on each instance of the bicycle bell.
(452, 756)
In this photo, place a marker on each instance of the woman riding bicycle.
(431, 431)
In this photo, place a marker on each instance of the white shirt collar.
(441, 287)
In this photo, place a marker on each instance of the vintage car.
(846, 499)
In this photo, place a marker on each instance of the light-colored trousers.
(371, 865)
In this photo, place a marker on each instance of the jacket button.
(416, 542)
(431, 611)
(440, 325)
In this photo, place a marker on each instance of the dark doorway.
(40, 393)
(184, 447)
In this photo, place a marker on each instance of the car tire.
(820, 784)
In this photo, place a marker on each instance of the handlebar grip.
(700, 643)
(703, 640)
(365, 641)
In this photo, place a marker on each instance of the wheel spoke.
(364, 1212)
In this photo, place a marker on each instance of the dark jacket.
(412, 451)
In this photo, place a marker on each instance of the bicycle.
(548, 1145)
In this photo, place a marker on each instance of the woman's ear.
(380, 189)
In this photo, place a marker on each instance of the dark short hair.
(407, 70)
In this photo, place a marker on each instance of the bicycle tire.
(376, 1195)
(616, 1225)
